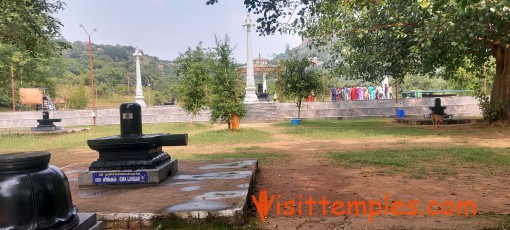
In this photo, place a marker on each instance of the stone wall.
(260, 112)
(458, 106)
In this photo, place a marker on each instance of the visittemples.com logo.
(308, 205)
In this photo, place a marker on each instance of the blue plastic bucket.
(400, 113)
(295, 122)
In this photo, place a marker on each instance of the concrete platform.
(88, 221)
(203, 191)
(150, 176)
(428, 121)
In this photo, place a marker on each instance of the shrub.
(78, 98)
(491, 112)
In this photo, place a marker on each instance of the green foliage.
(492, 110)
(30, 26)
(466, 78)
(226, 96)
(298, 80)
(372, 39)
(27, 32)
(420, 82)
(78, 98)
(193, 71)
(271, 11)
(114, 69)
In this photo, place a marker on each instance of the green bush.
(78, 98)
(494, 111)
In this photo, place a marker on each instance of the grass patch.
(357, 129)
(229, 137)
(198, 134)
(12, 142)
(419, 163)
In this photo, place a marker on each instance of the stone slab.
(88, 221)
(153, 176)
(202, 191)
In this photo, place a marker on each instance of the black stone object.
(263, 97)
(34, 195)
(133, 150)
(46, 124)
(437, 108)
(130, 119)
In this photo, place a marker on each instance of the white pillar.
(139, 90)
(264, 83)
(251, 96)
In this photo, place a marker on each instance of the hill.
(114, 69)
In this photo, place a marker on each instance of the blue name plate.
(120, 178)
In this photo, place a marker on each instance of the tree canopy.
(297, 80)
(28, 42)
(372, 39)
(30, 26)
(193, 72)
(226, 92)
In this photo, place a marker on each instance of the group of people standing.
(358, 92)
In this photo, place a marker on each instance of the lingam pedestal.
(46, 124)
(132, 157)
(437, 108)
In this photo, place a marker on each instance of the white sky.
(165, 28)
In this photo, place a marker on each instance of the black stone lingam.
(46, 124)
(133, 150)
(33, 194)
(437, 108)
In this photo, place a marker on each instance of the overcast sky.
(165, 28)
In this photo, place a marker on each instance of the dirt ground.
(309, 172)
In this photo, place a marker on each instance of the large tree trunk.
(501, 86)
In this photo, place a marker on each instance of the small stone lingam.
(437, 108)
(132, 157)
(46, 124)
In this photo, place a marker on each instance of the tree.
(30, 26)
(226, 98)
(27, 42)
(78, 97)
(371, 39)
(298, 80)
(193, 72)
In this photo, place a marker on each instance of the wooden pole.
(396, 99)
(92, 84)
(12, 89)
(484, 80)
(279, 85)
(91, 76)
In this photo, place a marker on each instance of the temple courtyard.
(397, 176)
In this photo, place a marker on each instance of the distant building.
(260, 65)
(260, 61)
(315, 61)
